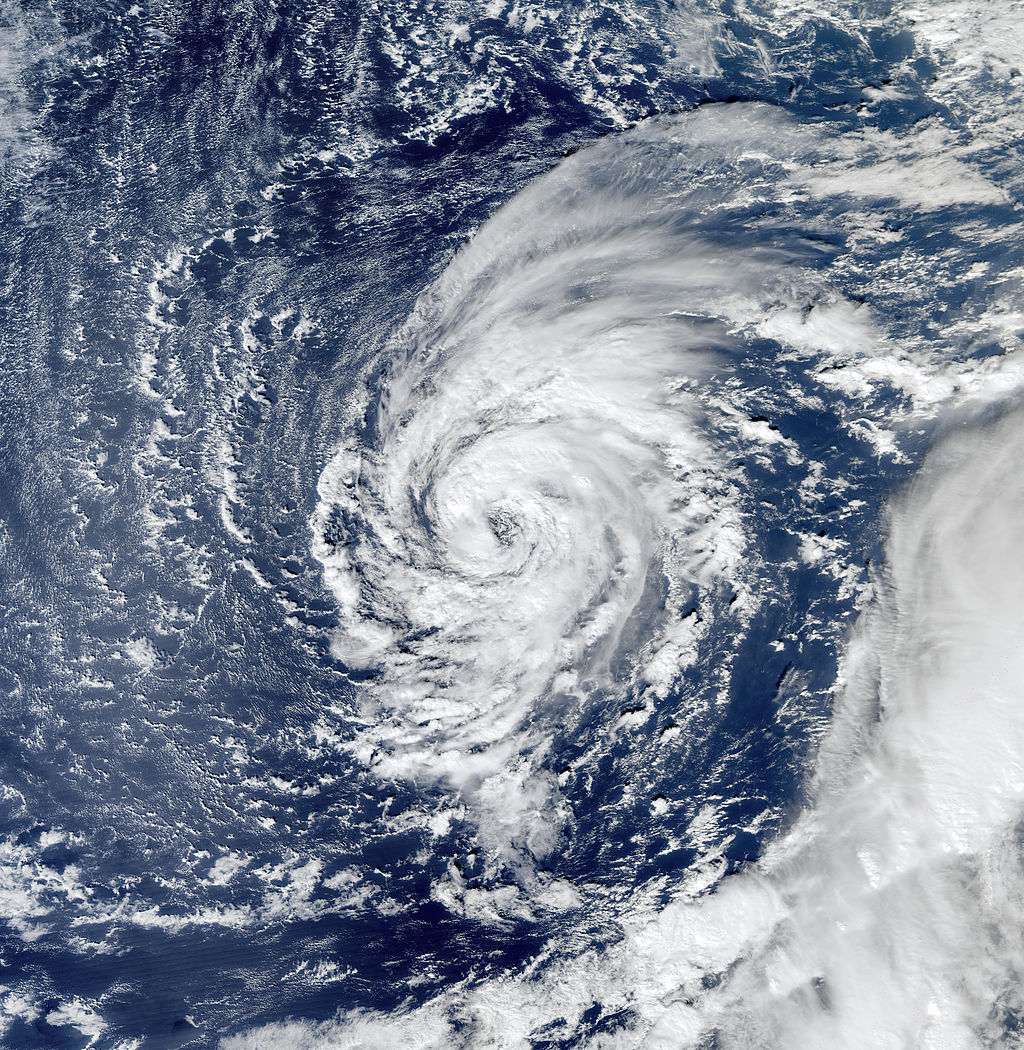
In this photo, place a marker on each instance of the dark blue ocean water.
(214, 215)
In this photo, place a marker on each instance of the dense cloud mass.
(509, 526)
(548, 437)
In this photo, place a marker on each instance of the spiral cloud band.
(510, 525)
(537, 479)
(553, 502)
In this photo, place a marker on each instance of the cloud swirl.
(543, 487)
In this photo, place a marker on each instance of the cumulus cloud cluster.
(537, 498)
(889, 914)
(541, 487)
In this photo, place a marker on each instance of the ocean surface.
(511, 525)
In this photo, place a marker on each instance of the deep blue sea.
(510, 525)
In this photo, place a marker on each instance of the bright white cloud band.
(546, 484)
